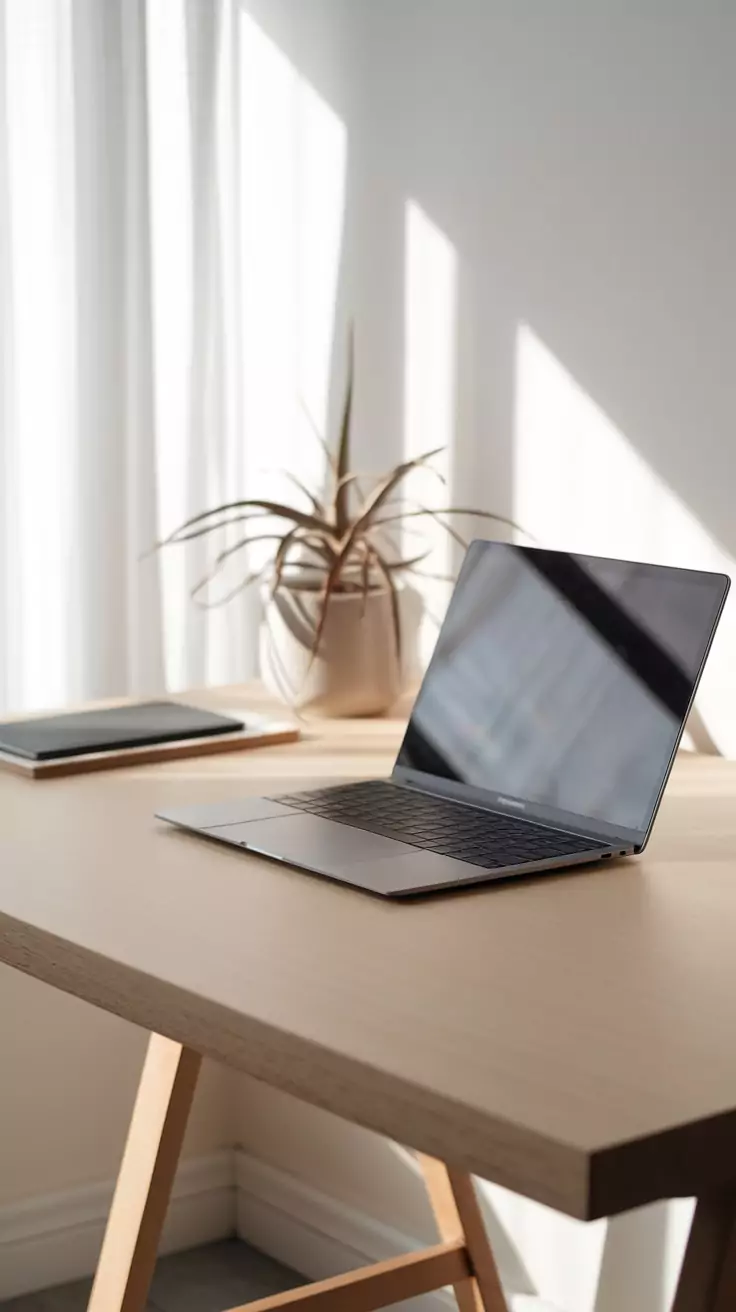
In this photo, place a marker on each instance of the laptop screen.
(563, 681)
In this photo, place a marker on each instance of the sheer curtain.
(171, 197)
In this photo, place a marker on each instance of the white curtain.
(171, 197)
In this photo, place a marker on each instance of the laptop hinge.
(523, 816)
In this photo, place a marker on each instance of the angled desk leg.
(462, 1259)
(708, 1276)
(458, 1216)
(149, 1163)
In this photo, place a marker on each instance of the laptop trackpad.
(310, 841)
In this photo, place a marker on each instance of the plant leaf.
(279, 559)
(366, 577)
(436, 516)
(342, 488)
(375, 499)
(449, 529)
(395, 613)
(389, 536)
(409, 563)
(451, 510)
(437, 578)
(331, 582)
(228, 596)
(349, 478)
(202, 532)
(267, 508)
(245, 542)
(224, 555)
(314, 501)
(320, 545)
(319, 436)
(306, 539)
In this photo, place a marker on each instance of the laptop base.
(364, 860)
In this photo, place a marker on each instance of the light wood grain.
(570, 1038)
(374, 1286)
(136, 1219)
(456, 1211)
(449, 1225)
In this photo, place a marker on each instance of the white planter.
(356, 671)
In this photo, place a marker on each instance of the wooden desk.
(571, 1038)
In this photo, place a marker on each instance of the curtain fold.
(203, 34)
(7, 372)
(37, 445)
(111, 374)
(117, 614)
(171, 210)
(80, 603)
(145, 644)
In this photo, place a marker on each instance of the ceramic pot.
(355, 672)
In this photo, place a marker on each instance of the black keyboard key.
(435, 824)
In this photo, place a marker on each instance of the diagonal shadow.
(582, 168)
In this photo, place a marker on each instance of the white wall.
(559, 180)
(68, 1078)
(569, 168)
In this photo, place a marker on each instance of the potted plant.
(331, 634)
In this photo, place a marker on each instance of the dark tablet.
(143, 725)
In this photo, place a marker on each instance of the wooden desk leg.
(458, 1216)
(463, 1260)
(160, 1116)
(708, 1276)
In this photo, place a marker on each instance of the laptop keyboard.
(467, 833)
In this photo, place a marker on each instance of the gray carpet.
(207, 1279)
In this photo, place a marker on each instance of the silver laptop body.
(542, 736)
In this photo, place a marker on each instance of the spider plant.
(339, 541)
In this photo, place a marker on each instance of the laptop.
(541, 739)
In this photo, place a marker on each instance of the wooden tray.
(260, 732)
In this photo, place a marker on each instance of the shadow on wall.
(579, 169)
(567, 182)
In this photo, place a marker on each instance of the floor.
(210, 1279)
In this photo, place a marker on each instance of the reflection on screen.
(563, 680)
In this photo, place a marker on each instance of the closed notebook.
(56, 736)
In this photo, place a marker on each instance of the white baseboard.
(312, 1232)
(319, 1236)
(49, 1240)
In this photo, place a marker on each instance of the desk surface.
(571, 1038)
